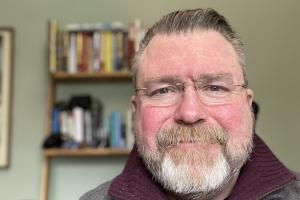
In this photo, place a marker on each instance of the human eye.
(162, 91)
(216, 90)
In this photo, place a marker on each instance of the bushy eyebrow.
(203, 79)
(162, 79)
(209, 78)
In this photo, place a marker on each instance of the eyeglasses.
(166, 94)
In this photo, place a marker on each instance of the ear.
(133, 104)
(249, 96)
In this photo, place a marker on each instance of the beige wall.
(270, 30)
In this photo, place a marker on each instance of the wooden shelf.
(88, 76)
(85, 152)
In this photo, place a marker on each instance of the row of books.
(80, 122)
(93, 47)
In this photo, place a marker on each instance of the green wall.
(270, 30)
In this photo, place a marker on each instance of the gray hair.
(188, 21)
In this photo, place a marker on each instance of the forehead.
(188, 55)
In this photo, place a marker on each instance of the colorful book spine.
(115, 130)
(93, 47)
(55, 126)
(53, 31)
(78, 131)
(72, 59)
(79, 52)
(129, 136)
(96, 51)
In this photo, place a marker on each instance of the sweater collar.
(262, 174)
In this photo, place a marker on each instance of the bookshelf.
(61, 75)
(86, 152)
(87, 76)
(56, 79)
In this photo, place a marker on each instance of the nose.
(190, 109)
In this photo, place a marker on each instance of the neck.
(220, 193)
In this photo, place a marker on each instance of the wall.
(270, 30)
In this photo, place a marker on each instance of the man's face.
(186, 58)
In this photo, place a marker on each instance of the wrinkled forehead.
(189, 55)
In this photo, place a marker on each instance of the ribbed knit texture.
(261, 175)
(135, 182)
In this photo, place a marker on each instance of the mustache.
(173, 136)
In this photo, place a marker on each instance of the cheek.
(236, 119)
(149, 121)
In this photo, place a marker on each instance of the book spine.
(96, 51)
(64, 122)
(105, 133)
(118, 129)
(79, 52)
(102, 51)
(115, 130)
(78, 114)
(93, 47)
(55, 127)
(65, 46)
(108, 51)
(88, 128)
(72, 62)
(84, 66)
(53, 31)
(129, 137)
(59, 53)
(119, 51)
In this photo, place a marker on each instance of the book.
(88, 135)
(84, 65)
(97, 123)
(129, 135)
(52, 43)
(72, 57)
(104, 133)
(78, 119)
(64, 123)
(55, 125)
(96, 51)
(79, 51)
(118, 51)
(115, 130)
(93, 47)
(108, 51)
(90, 53)
(59, 53)
(65, 50)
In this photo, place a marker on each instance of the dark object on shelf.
(53, 141)
(83, 101)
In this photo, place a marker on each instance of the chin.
(193, 171)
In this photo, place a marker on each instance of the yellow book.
(53, 30)
(79, 51)
(108, 51)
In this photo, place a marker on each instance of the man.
(193, 121)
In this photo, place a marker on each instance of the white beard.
(195, 172)
(186, 179)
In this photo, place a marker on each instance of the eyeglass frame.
(180, 88)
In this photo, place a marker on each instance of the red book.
(83, 67)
